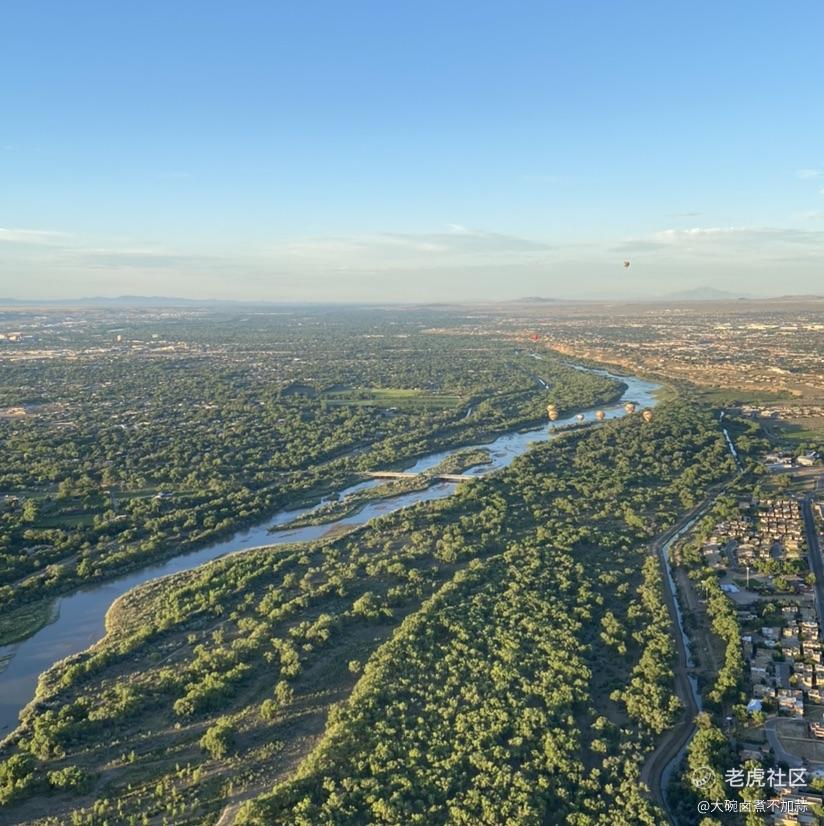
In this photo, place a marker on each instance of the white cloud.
(807, 174)
(719, 242)
(452, 262)
(32, 236)
(396, 250)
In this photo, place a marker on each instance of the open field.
(401, 399)
(24, 621)
(796, 740)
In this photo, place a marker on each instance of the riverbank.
(458, 463)
(459, 435)
(24, 621)
(313, 614)
(82, 619)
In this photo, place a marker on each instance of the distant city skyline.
(429, 152)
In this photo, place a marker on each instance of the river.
(81, 615)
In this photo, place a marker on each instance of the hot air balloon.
(629, 407)
(600, 415)
(626, 264)
(552, 412)
(580, 418)
(535, 337)
(647, 415)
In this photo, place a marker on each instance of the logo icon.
(702, 776)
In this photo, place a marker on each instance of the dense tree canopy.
(529, 670)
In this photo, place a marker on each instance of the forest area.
(135, 437)
(504, 650)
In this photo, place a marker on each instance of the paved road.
(657, 769)
(814, 553)
(780, 754)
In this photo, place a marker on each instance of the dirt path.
(693, 607)
(227, 816)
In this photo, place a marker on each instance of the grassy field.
(796, 740)
(665, 393)
(403, 399)
(812, 430)
(721, 397)
(24, 621)
(60, 520)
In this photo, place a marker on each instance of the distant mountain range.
(157, 301)
(809, 297)
(123, 300)
(160, 301)
(713, 294)
(535, 299)
(704, 294)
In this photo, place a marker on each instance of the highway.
(659, 766)
(814, 552)
(657, 769)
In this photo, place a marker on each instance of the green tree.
(218, 739)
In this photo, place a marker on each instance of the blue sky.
(426, 151)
